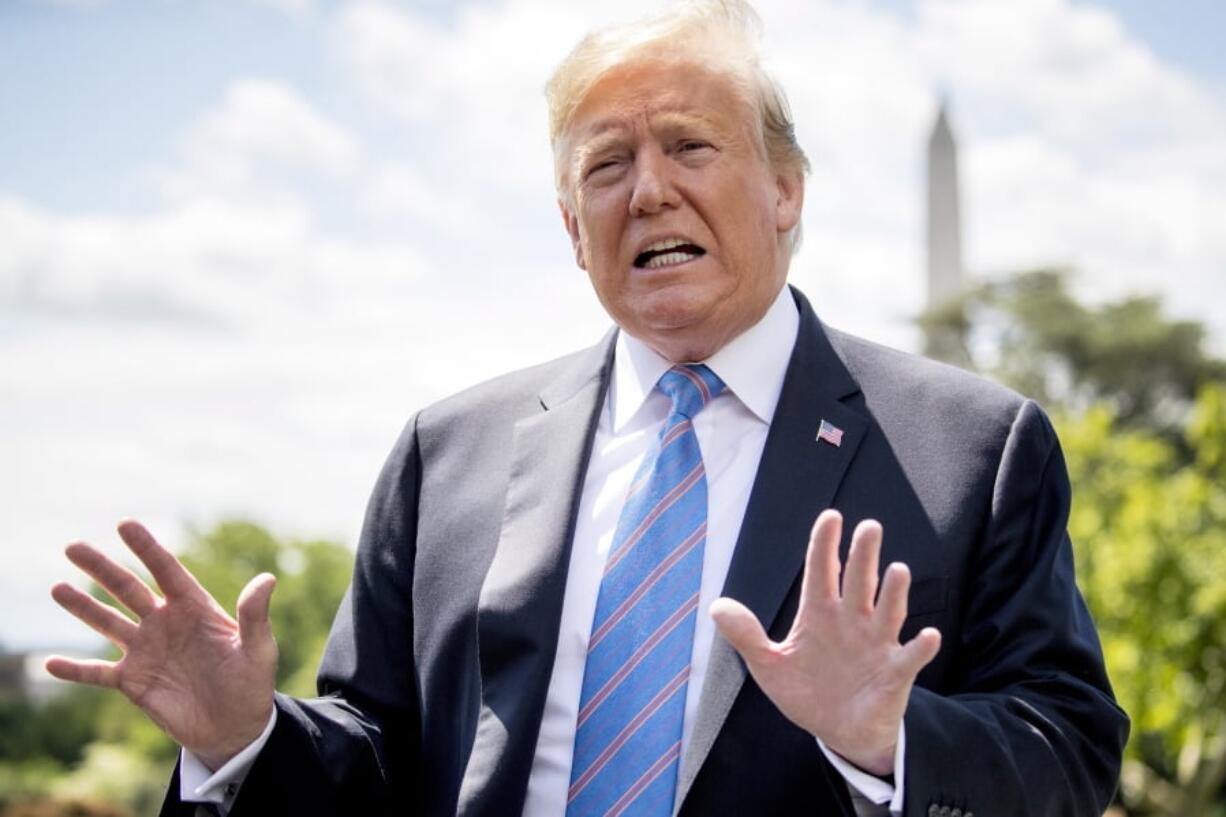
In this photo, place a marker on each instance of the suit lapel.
(797, 478)
(521, 598)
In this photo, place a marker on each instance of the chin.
(673, 320)
(678, 306)
(680, 320)
(680, 335)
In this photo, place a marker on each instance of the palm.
(205, 679)
(840, 673)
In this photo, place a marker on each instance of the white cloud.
(478, 83)
(206, 258)
(1071, 70)
(269, 120)
(294, 8)
(398, 190)
(260, 125)
(395, 54)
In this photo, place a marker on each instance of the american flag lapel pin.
(828, 432)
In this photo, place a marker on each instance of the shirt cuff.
(199, 784)
(873, 788)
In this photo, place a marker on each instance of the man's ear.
(572, 229)
(791, 198)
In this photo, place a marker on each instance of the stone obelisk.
(944, 235)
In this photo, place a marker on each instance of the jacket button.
(934, 810)
(945, 812)
(957, 812)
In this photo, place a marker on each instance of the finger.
(892, 602)
(124, 586)
(919, 651)
(105, 620)
(741, 628)
(820, 581)
(860, 574)
(167, 571)
(253, 626)
(93, 672)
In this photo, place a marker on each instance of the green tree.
(56, 731)
(1029, 332)
(1150, 535)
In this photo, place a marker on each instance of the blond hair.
(721, 35)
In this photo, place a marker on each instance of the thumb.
(919, 651)
(253, 626)
(741, 628)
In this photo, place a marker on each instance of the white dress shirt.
(731, 433)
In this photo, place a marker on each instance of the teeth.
(669, 259)
(666, 244)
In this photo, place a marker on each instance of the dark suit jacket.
(435, 675)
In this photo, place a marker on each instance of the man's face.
(674, 211)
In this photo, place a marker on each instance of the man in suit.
(698, 444)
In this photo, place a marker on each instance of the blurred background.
(236, 237)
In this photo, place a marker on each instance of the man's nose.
(653, 185)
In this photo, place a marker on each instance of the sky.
(242, 240)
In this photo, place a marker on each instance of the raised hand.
(841, 674)
(204, 678)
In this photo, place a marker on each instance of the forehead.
(659, 94)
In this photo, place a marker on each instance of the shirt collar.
(752, 365)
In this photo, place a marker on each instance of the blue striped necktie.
(628, 735)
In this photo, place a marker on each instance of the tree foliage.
(1029, 332)
(1150, 536)
(57, 731)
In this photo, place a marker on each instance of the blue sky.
(236, 235)
(1188, 34)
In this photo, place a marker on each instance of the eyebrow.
(600, 142)
(606, 132)
(680, 119)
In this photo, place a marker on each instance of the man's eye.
(599, 166)
(691, 145)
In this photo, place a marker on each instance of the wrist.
(877, 762)
(215, 756)
(881, 765)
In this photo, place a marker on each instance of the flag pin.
(830, 433)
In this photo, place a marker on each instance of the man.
(527, 629)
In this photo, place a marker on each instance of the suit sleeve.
(353, 750)
(1030, 727)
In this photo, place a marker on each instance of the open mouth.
(668, 253)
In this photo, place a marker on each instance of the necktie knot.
(690, 388)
